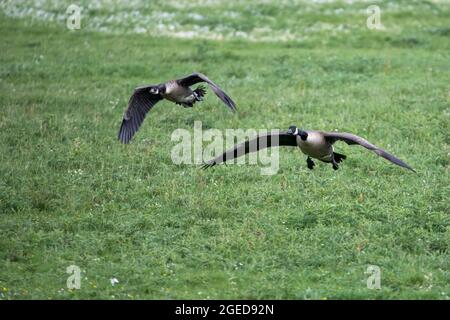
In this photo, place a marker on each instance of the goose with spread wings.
(314, 144)
(177, 91)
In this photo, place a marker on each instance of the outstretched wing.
(350, 139)
(198, 77)
(254, 145)
(139, 104)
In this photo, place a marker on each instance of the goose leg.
(310, 163)
(189, 101)
(199, 93)
(335, 165)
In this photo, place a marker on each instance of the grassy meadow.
(71, 194)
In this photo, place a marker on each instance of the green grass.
(70, 193)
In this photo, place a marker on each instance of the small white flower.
(113, 281)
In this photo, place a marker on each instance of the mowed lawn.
(71, 194)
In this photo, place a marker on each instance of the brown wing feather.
(199, 77)
(258, 143)
(351, 139)
(139, 104)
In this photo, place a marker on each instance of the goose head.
(293, 130)
(159, 89)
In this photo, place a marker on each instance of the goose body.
(178, 91)
(179, 94)
(314, 144)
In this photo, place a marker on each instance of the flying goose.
(178, 91)
(314, 144)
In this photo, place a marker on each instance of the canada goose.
(315, 144)
(178, 91)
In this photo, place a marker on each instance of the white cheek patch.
(296, 131)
